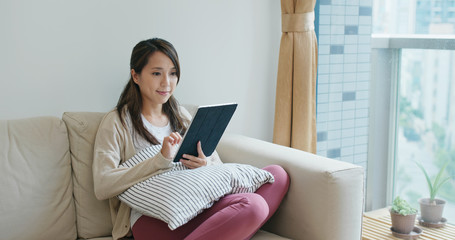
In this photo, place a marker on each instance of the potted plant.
(403, 216)
(431, 208)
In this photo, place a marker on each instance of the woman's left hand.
(193, 161)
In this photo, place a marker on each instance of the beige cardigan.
(113, 146)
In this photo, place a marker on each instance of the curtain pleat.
(295, 105)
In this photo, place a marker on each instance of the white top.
(159, 133)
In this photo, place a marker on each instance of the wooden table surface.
(377, 224)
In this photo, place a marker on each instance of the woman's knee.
(279, 174)
(254, 208)
(244, 212)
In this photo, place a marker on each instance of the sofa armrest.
(325, 197)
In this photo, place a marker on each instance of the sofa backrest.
(93, 216)
(35, 180)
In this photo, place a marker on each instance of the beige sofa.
(47, 188)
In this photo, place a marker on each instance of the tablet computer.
(207, 126)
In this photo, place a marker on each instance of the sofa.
(47, 186)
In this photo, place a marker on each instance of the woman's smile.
(163, 93)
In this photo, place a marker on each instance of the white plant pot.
(402, 224)
(431, 212)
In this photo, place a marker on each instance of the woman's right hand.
(170, 142)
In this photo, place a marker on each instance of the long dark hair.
(131, 96)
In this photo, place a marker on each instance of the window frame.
(385, 68)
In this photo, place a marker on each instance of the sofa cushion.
(263, 235)
(260, 235)
(35, 180)
(93, 215)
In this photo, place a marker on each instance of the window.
(413, 102)
(425, 123)
(437, 4)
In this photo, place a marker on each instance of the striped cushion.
(178, 195)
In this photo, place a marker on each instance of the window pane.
(414, 17)
(426, 124)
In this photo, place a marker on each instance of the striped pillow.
(180, 194)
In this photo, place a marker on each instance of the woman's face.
(157, 79)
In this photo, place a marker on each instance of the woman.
(148, 114)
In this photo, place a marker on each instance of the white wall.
(58, 56)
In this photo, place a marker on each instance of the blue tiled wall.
(344, 35)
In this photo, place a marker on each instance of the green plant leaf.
(430, 185)
(402, 207)
(438, 182)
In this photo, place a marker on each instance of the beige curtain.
(295, 105)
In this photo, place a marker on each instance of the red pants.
(234, 216)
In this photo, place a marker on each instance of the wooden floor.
(376, 225)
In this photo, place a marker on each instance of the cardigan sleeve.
(112, 140)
